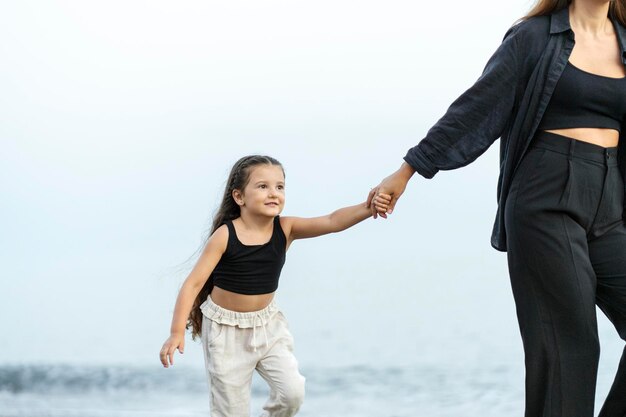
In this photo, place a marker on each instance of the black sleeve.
(474, 120)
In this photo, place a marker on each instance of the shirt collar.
(621, 37)
(560, 21)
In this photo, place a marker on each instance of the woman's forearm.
(405, 171)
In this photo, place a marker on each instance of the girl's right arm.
(338, 220)
(209, 258)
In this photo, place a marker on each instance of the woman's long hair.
(228, 210)
(617, 9)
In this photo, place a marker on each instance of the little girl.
(227, 299)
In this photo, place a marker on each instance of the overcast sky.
(121, 119)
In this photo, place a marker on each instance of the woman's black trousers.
(567, 253)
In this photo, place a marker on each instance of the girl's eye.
(281, 187)
(263, 186)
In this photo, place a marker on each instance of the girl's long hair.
(228, 210)
(617, 9)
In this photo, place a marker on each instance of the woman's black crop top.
(583, 99)
(251, 269)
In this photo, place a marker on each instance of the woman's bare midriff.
(607, 138)
(240, 302)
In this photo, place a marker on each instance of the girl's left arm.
(338, 220)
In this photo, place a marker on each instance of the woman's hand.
(175, 341)
(393, 186)
(378, 202)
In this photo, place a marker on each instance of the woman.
(555, 92)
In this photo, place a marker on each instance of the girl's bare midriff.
(240, 302)
(607, 138)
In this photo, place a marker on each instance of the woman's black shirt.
(507, 102)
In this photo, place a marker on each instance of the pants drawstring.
(267, 341)
(257, 316)
(254, 332)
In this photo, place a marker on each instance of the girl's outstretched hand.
(173, 342)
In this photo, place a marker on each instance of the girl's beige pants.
(235, 344)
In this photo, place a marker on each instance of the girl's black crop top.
(583, 99)
(251, 269)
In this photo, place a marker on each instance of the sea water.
(71, 391)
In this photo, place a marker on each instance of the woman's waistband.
(574, 148)
(243, 320)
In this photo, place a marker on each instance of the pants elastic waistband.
(574, 148)
(235, 318)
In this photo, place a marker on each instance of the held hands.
(175, 341)
(393, 186)
(378, 202)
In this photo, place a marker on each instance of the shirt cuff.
(420, 163)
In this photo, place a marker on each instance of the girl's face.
(265, 192)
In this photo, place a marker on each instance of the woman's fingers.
(378, 202)
(392, 205)
(381, 202)
(382, 199)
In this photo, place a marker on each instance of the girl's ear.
(238, 197)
